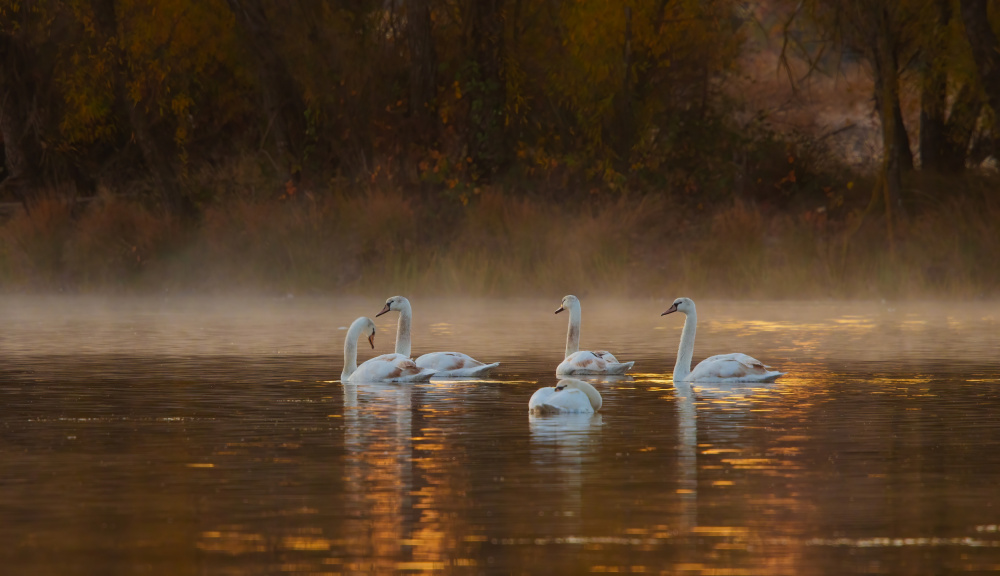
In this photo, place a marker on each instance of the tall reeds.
(380, 241)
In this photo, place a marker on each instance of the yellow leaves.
(180, 104)
(790, 178)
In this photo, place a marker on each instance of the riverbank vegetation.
(501, 147)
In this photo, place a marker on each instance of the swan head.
(396, 303)
(363, 326)
(568, 302)
(684, 305)
(369, 332)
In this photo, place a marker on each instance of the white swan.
(384, 368)
(734, 367)
(444, 364)
(578, 361)
(569, 396)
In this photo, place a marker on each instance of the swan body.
(455, 364)
(580, 362)
(569, 396)
(591, 362)
(734, 367)
(444, 364)
(384, 368)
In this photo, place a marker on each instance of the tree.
(282, 100)
(423, 66)
(156, 148)
(29, 100)
(986, 53)
(886, 34)
(485, 87)
(945, 132)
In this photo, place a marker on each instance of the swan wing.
(734, 367)
(588, 362)
(539, 398)
(606, 356)
(454, 364)
(582, 362)
(390, 368)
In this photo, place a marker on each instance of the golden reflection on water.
(878, 439)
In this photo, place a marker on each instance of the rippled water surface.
(212, 436)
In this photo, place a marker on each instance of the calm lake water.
(212, 436)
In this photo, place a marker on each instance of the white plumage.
(384, 368)
(581, 362)
(569, 396)
(444, 364)
(735, 367)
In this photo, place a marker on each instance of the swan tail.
(484, 370)
(772, 376)
(472, 372)
(620, 368)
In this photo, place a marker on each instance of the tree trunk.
(887, 97)
(934, 96)
(626, 116)
(902, 137)
(986, 53)
(486, 89)
(420, 36)
(282, 100)
(960, 127)
(22, 149)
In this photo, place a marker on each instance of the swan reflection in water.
(737, 399)
(561, 444)
(378, 474)
(687, 464)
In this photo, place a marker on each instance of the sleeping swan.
(444, 364)
(584, 361)
(384, 368)
(569, 396)
(722, 368)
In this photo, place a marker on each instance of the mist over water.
(179, 435)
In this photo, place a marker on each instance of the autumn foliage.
(320, 145)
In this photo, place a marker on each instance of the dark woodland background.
(777, 149)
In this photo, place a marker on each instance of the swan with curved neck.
(384, 368)
(578, 361)
(734, 367)
(569, 396)
(444, 364)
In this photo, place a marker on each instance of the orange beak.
(560, 309)
(384, 310)
(371, 340)
(670, 310)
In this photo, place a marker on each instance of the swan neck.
(685, 352)
(573, 332)
(351, 350)
(403, 330)
(592, 394)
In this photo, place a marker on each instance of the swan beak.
(560, 309)
(371, 340)
(384, 310)
(670, 310)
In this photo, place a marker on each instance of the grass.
(385, 241)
